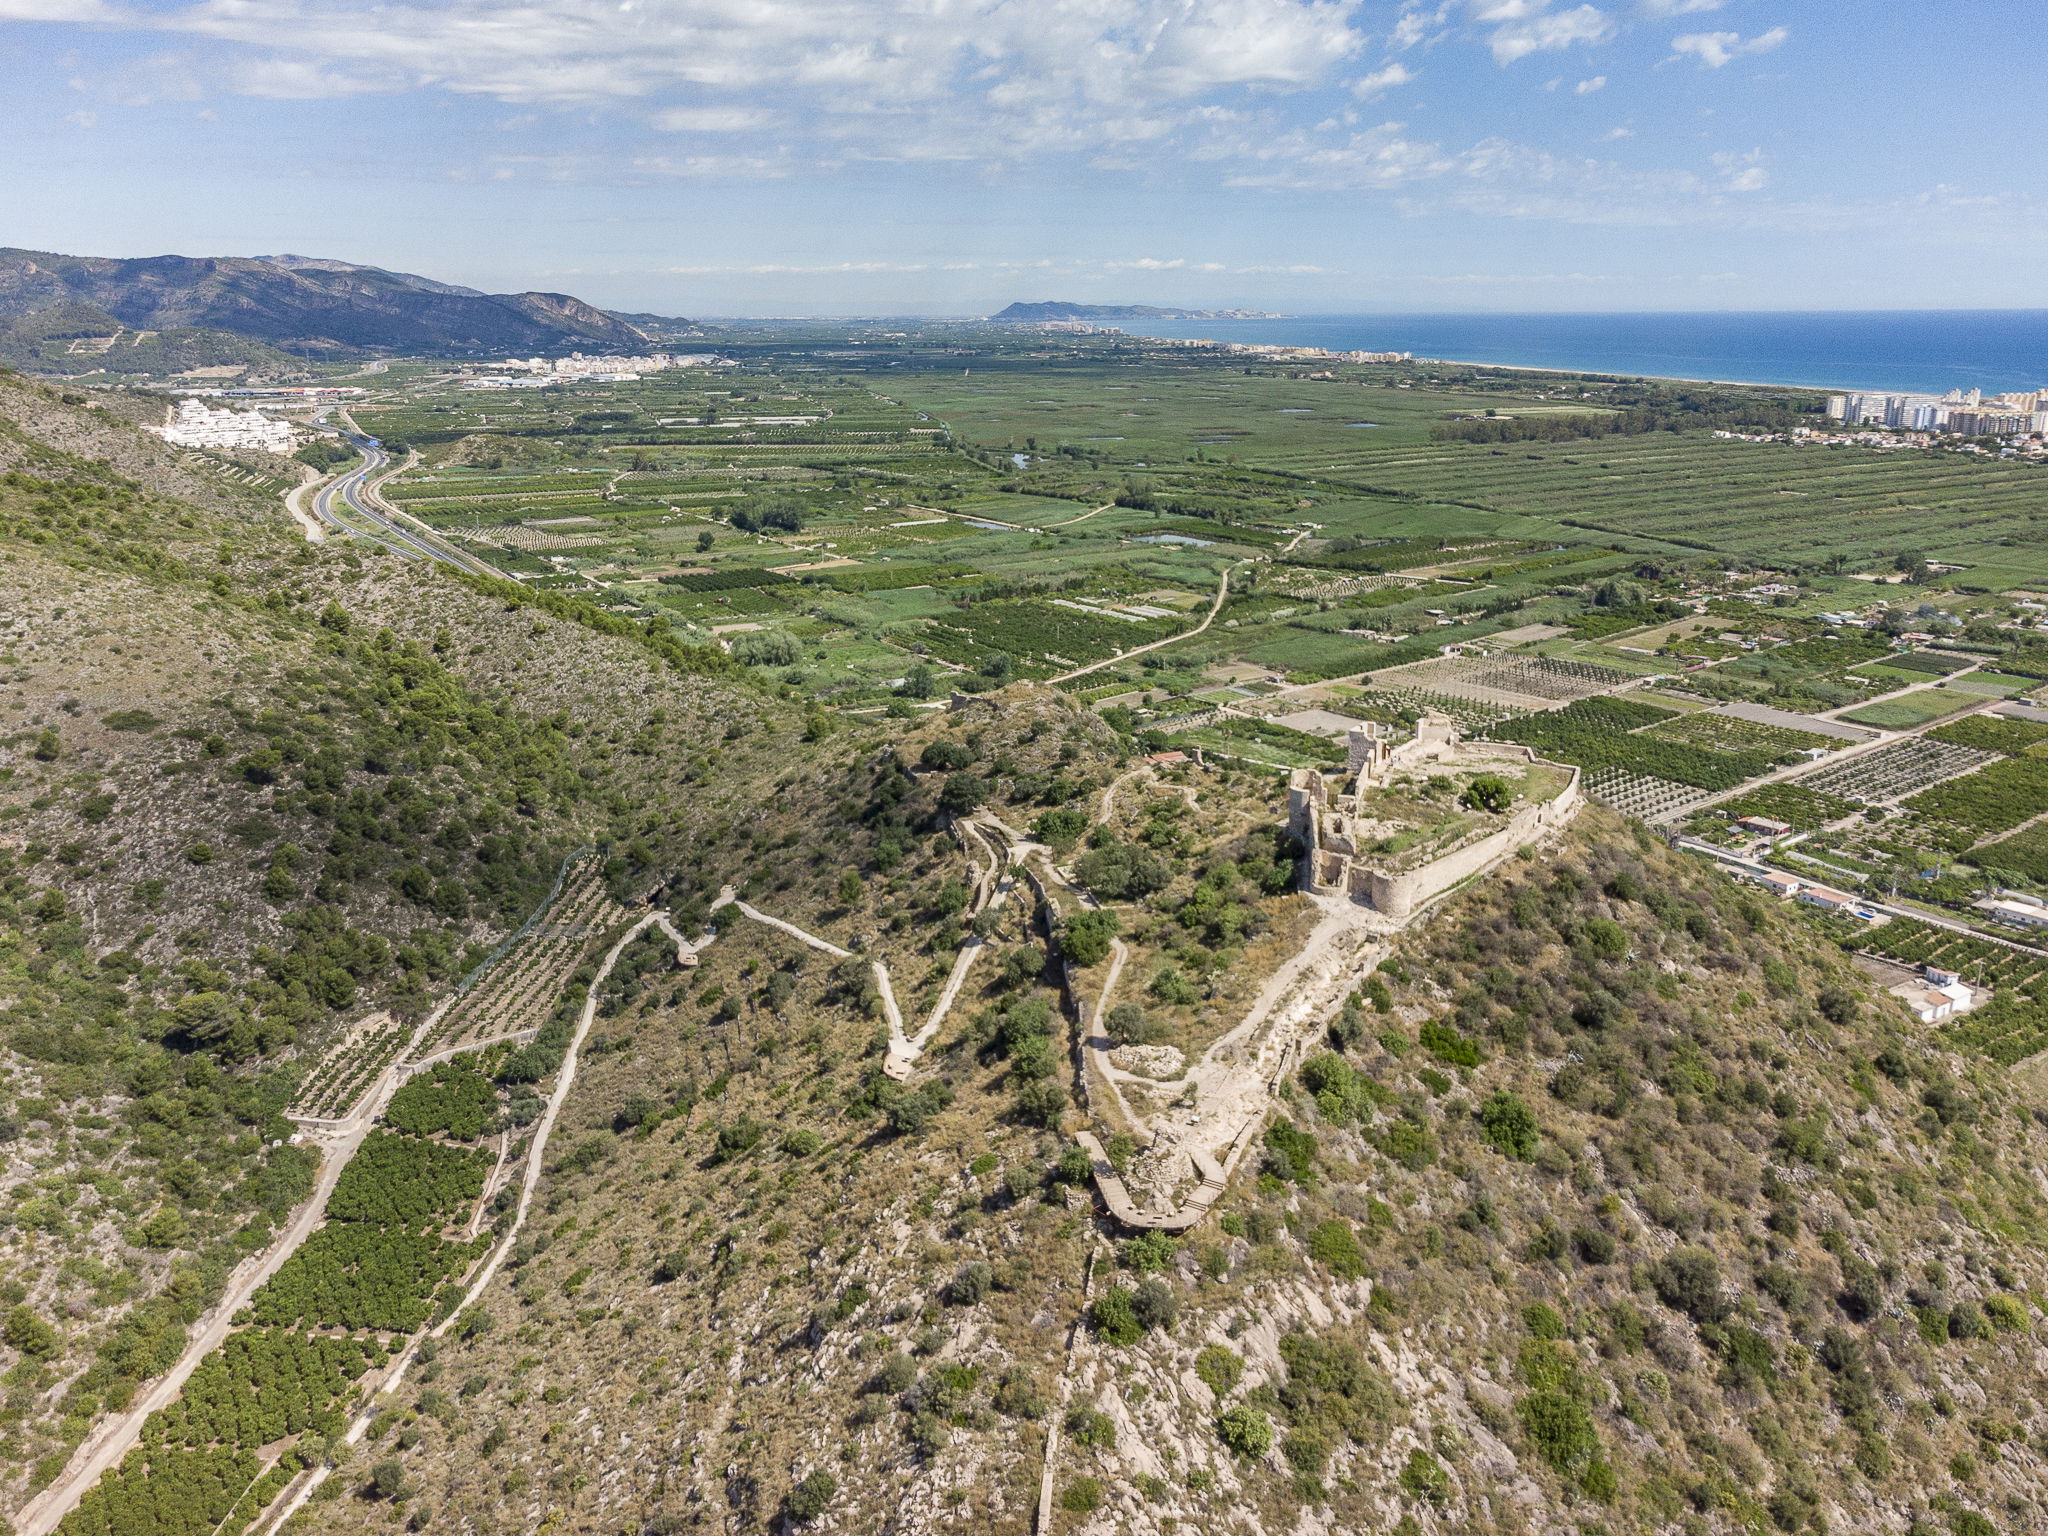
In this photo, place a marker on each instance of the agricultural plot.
(1893, 772)
(2009, 1028)
(1770, 502)
(1911, 709)
(1808, 673)
(450, 1098)
(350, 1066)
(1732, 733)
(1641, 795)
(263, 1384)
(1041, 634)
(1995, 798)
(2025, 854)
(363, 1278)
(1507, 682)
(1544, 677)
(1798, 805)
(518, 989)
(404, 1180)
(1991, 685)
(376, 1269)
(1835, 731)
(1606, 733)
(1913, 666)
(1397, 701)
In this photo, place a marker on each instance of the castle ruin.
(1363, 841)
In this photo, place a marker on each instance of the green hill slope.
(252, 790)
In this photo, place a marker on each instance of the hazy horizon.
(885, 157)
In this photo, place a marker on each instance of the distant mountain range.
(1054, 309)
(301, 304)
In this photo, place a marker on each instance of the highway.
(349, 503)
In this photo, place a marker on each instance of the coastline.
(1826, 352)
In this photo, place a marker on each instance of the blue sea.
(1918, 351)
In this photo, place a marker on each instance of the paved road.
(1890, 909)
(350, 504)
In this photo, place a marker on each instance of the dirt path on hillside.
(303, 1487)
(115, 1437)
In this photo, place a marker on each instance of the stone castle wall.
(1334, 865)
(1399, 895)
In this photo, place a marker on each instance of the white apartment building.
(576, 365)
(197, 425)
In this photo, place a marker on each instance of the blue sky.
(947, 156)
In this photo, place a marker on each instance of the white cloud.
(1529, 28)
(909, 80)
(1588, 87)
(1419, 23)
(1742, 173)
(1380, 81)
(709, 119)
(762, 268)
(53, 10)
(303, 80)
(1680, 7)
(1714, 49)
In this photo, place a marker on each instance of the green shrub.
(1116, 1322)
(1593, 1245)
(1290, 1152)
(1082, 1496)
(1219, 1369)
(30, 1334)
(1410, 1143)
(1155, 1303)
(1689, 1279)
(1509, 1125)
(1424, 1478)
(1085, 937)
(2005, 1314)
(1246, 1430)
(1542, 1319)
(1090, 1427)
(1560, 1428)
(1335, 1244)
(1150, 1252)
(809, 1498)
(1447, 1045)
(1306, 1453)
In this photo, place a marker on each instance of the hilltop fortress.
(1410, 820)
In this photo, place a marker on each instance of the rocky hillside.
(300, 303)
(1615, 1202)
(1616, 1199)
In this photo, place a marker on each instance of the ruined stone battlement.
(1375, 835)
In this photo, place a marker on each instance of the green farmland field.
(1764, 501)
(1910, 709)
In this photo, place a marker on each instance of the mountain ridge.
(306, 304)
